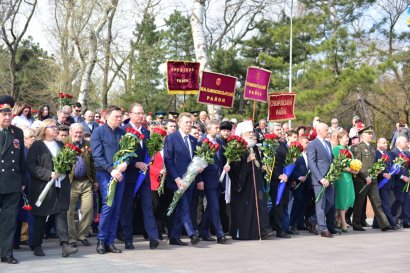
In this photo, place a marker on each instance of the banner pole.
(254, 109)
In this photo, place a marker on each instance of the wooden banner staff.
(254, 109)
(256, 200)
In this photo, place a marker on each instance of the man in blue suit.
(386, 193)
(402, 201)
(178, 153)
(319, 155)
(104, 144)
(88, 123)
(299, 176)
(132, 173)
(210, 184)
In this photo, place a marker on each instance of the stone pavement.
(370, 251)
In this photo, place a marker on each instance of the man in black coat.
(12, 169)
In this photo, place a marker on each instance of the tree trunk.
(201, 53)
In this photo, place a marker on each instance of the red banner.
(282, 106)
(217, 89)
(257, 84)
(182, 77)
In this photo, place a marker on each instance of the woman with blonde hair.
(57, 201)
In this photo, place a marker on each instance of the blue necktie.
(186, 144)
(327, 148)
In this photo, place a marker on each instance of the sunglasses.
(78, 111)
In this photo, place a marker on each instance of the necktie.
(217, 153)
(187, 144)
(327, 148)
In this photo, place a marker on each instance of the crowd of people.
(241, 207)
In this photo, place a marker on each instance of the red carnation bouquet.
(269, 146)
(128, 144)
(377, 168)
(64, 99)
(63, 162)
(155, 144)
(234, 149)
(339, 163)
(294, 151)
(204, 155)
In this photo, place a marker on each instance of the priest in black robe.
(249, 211)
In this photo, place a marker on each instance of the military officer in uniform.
(12, 169)
(366, 152)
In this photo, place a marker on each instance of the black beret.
(226, 125)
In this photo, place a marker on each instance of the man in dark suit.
(386, 192)
(299, 179)
(134, 170)
(88, 123)
(319, 155)
(77, 118)
(12, 174)
(210, 184)
(178, 152)
(402, 201)
(278, 215)
(366, 153)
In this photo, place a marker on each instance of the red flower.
(216, 147)
(68, 96)
(100, 121)
(271, 136)
(296, 144)
(385, 158)
(160, 131)
(405, 158)
(206, 140)
(131, 130)
(61, 95)
(74, 148)
(346, 153)
(313, 134)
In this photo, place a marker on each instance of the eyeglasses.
(77, 111)
(52, 127)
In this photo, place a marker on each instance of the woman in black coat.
(57, 201)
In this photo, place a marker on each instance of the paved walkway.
(370, 251)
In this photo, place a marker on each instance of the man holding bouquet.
(212, 187)
(319, 156)
(104, 144)
(179, 150)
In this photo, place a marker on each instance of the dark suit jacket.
(88, 161)
(210, 175)
(300, 170)
(260, 134)
(132, 173)
(280, 157)
(380, 177)
(87, 129)
(40, 165)
(177, 157)
(398, 183)
(12, 162)
(319, 160)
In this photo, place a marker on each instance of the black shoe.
(129, 245)
(101, 247)
(269, 236)
(208, 239)
(111, 248)
(85, 242)
(9, 259)
(16, 247)
(365, 224)
(195, 240)
(358, 228)
(386, 229)
(160, 236)
(74, 244)
(406, 225)
(38, 251)
(283, 235)
(68, 249)
(177, 242)
(334, 231)
(222, 240)
(153, 244)
(301, 228)
(292, 232)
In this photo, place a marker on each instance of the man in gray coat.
(319, 155)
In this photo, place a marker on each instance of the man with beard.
(250, 219)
